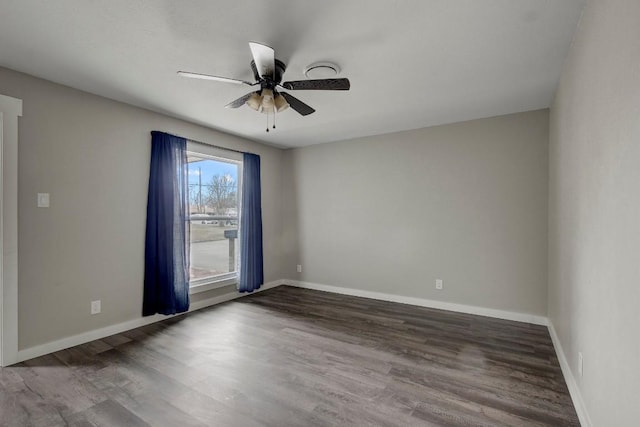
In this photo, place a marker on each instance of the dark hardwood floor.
(294, 357)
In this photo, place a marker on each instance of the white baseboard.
(574, 390)
(576, 396)
(421, 302)
(50, 347)
(85, 337)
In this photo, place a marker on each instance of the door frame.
(10, 110)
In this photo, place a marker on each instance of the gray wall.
(465, 202)
(594, 210)
(92, 154)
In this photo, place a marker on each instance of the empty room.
(337, 213)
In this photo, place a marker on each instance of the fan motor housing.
(279, 71)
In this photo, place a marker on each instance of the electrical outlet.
(580, 362)
(95, 307)
(439, 284)
(43, 200)
(299, 268)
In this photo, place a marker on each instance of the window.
(213, 220)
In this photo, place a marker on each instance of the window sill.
(214, 284)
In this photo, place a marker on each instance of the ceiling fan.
(268, 72)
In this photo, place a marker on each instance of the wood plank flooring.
(295, 357)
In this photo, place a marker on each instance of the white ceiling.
(411, 64)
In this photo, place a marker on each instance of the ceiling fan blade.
(264, 57)
(239, 102)
(297, 105)
(215, 78)
(322, 84)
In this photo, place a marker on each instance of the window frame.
(227, 156)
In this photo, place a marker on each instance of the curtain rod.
(217, 146)
(205, 143)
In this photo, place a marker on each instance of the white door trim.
(10, 110)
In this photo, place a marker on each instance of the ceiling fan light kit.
(281, 103)
(255, 101)
(265, 102)
(268, 72)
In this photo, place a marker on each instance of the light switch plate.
(43, 200)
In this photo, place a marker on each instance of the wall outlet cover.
(580, 364)
(96, 307)
(43, 200)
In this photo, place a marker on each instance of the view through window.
(213, 217)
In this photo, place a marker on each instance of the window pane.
(213, 220)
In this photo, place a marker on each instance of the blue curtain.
(166, 270)
(251, 269)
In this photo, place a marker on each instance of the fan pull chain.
(274, 121)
